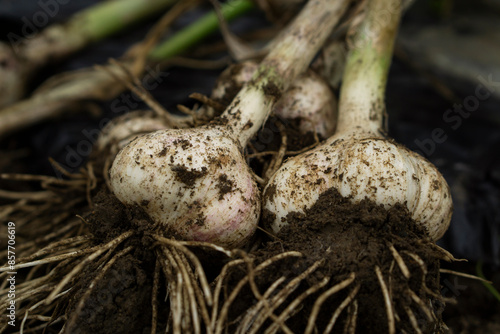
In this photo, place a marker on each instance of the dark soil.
(271, 89)
(269, 139)
(109, 218)
(352, 238)
(186, 176)
(118, 303)
(348, 238)
(224, 185)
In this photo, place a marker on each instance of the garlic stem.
(290, 57)
(365, 77)
(90, 25)
(26, 54)
(194, 33)
(97, 85)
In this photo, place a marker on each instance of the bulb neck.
(290, 56)
(362, 93)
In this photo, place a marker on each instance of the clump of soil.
(224, 185)
(109, 217)
(351, 238)
(117, 300)
(186, 176)
(271, 89)
(119, 303)
(269, 139)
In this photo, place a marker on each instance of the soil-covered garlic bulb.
(195, 184)
(309, 100)
(362, 165)
(359, 161)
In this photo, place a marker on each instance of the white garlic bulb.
(195, 183)
(308, 100)
(123, 129)
(362, 166)
(358, 161)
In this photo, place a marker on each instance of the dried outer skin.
(194, 183)
(362, 166)
(308, 98)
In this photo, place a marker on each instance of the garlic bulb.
(359, 166)
(359, 161)
(195, 183)
(123, 129)
(309, 99)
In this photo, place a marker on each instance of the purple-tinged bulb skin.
(362, 167)
(193, 183)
